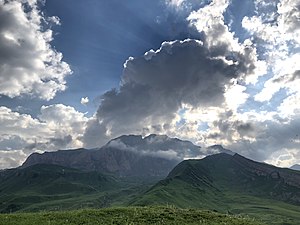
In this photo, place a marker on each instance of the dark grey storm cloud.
(277, 138)
(154, 87)
(288, 77)
(226, 125)
(51, 144)
(296, 75)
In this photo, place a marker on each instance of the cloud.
(262, 136)
(9, 159)
(29, 65)
(257, 124)
(63, 120)
(209, 20)
(181, 74)
(259, 135)
(175, 3)
(231, 93)
(166, 154)
(290, 106)
(180, 10)
(217, 90)
(84, 100)
(11, 142)
(275, 137)
(289, 11)
(183, 5)
(155, 86)
(50, 144)
(277, 31)
(57, 127)
(285, 157)
(156, 145)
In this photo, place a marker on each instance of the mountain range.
(127, 155)
(136, 170)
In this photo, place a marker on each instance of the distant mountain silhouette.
(127, 155)
(295, 167)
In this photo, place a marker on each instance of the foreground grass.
(183, 195)
(125, 215)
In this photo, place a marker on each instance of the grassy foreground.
(126, 215)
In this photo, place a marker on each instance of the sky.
(78, 73)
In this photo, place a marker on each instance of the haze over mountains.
(128, 155)
(295, 167)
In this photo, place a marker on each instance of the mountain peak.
(131, 138)
(214, 149)
(157, 136)
(161, 146)
(214, 176)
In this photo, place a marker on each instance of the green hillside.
(52, 187)
(230, 184)
(129, 215)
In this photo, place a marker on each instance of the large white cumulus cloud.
(28, 63)
(57, 127)
(278, 32)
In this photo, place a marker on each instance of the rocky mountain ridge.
(213, 182)
(127, 155)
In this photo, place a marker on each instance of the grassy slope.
(130, 215)
(182, 195)
(180, 189)
(51, 187)
(210, 185)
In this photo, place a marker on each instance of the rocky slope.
(128, 155)
(106, 160)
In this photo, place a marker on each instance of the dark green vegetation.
(129, 215)
(223, 183)
(231, 184)
(52, 187)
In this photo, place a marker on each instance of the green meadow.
(126, 215)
